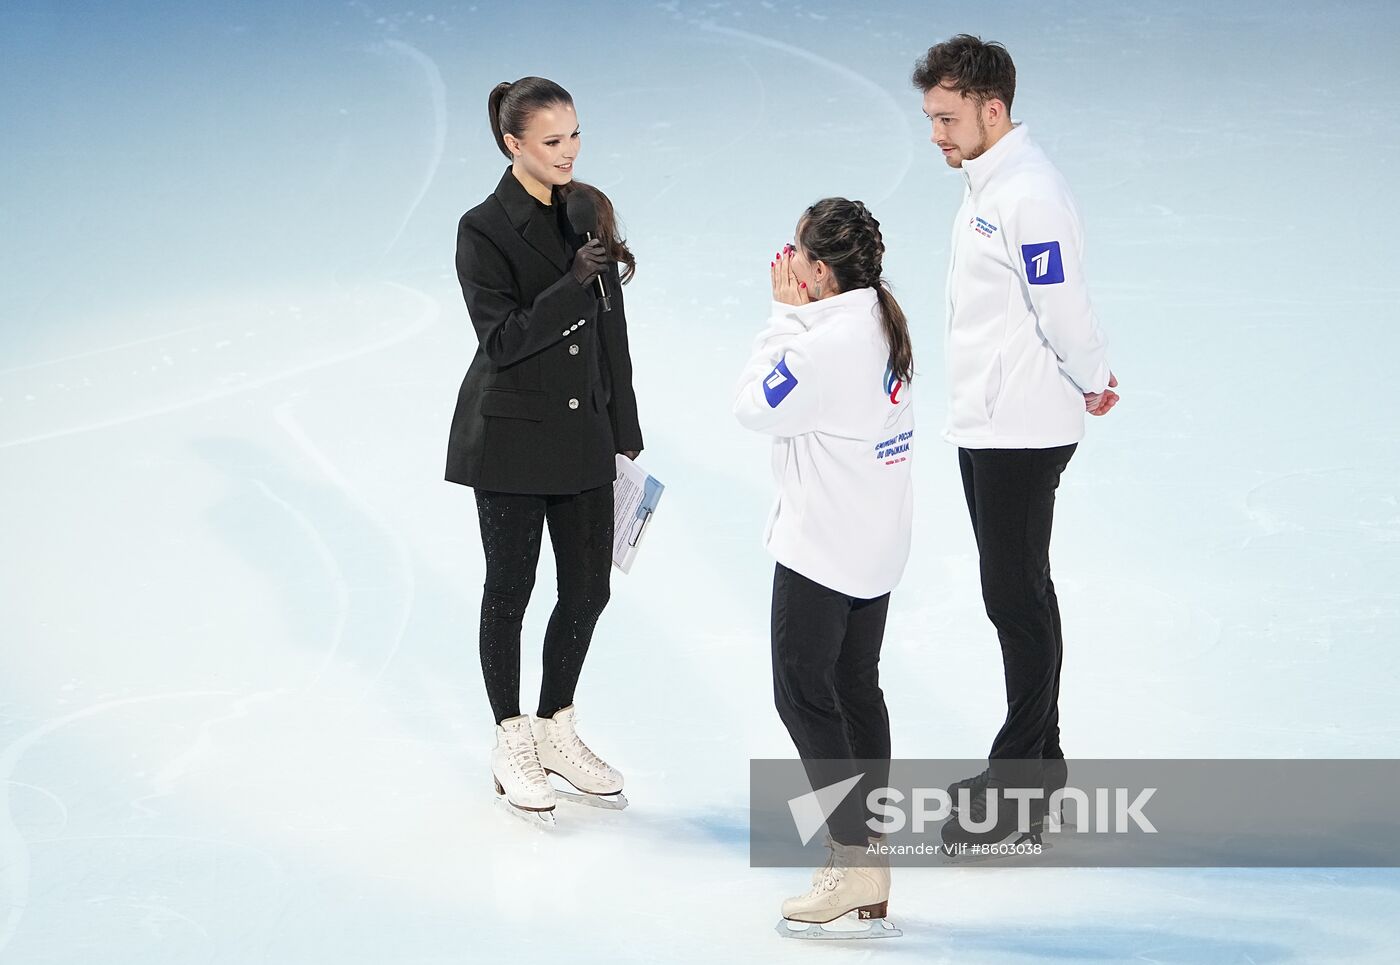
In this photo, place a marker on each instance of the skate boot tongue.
(520, 748)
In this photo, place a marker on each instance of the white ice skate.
(521, 783)
(591, 780)
(848, 900)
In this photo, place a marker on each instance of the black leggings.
(1011, 500)
(826, 685)
(581, 532)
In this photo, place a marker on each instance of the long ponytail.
(896, 333)
(493, 105)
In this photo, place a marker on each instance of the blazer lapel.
(534, 225)
(544, 238)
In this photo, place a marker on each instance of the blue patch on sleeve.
(777, 384)
(1043, 263)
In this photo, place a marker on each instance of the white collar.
(824, 310)
(979, 170)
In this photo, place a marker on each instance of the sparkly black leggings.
(581, 531)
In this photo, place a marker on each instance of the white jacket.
(820, 381)
(1023, 345)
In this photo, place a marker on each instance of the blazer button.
(573, 349)
(573, 403)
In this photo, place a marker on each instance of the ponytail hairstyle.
(511, 106)
(846, 236)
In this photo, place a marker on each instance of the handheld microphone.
(583, 218)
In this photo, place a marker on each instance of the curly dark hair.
(969, 66)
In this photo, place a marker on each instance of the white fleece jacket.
(819, 381)
(1023, 344)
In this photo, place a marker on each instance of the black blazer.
(547, 402)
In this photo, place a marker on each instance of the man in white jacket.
(1025, 359)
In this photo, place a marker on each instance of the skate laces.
(827, 879)
(522, 753)
(828, 875)
(579, 748)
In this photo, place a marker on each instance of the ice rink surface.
(241, 715)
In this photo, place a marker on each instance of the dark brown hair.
(511, 106)
(972, 68)
(846, 236)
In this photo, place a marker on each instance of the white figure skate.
(849, 899)
(521, 783)
(591, 780)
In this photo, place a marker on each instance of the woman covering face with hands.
(788, 289)
(828, 381)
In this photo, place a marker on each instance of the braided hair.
(846, 237)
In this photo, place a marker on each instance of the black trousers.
(826, 685)
(1011, 499)
(581, 532)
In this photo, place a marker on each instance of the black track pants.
(1011, 499)
(826, 685)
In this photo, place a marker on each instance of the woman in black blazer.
(546, 406)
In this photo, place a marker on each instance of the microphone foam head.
(582, 213)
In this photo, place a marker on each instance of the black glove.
(589, 260)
